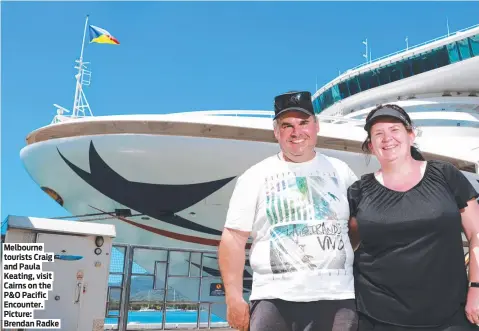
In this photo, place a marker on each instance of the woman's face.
(390, 140)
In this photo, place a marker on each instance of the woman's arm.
(470, 224)
(354, 233)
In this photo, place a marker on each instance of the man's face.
(297, 134)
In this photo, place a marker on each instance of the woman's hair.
(416, 155)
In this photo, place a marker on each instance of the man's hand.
(231, 258)
(238, 313)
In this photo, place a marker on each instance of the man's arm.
(231, 253)
(238, 226)
(231, 259)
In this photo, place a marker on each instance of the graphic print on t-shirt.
(305, 232)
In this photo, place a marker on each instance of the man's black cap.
(386, 111)
(293, 101)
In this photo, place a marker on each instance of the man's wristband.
(473, 284)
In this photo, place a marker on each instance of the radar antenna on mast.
(81, 107)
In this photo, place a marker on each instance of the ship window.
(343, 90)
(429, 61)
(396, 72)
(453, 53)
(364, 81)
(417, 67)
(442, 57)
(384, 74)
(335, 92)
(328, 98)
(321, 101)
(316, 106)
(374, 79)
(464, 49)
(353, 85)
(474, 41)
(406, 69)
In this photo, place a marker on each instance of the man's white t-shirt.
(297, 214)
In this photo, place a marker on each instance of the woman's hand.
(472, 305)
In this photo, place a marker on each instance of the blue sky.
(185, 56)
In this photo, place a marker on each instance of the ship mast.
(81, 107)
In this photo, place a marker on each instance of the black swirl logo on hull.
(160, 201)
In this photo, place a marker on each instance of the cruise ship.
(166, 180)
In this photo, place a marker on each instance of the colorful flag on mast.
(101, 36)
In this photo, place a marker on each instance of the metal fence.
(128, 285)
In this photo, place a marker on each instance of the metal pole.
(126, 283)
(84, 35)
(366, 54)
(165, 289)
(80, 68)
(198, 309)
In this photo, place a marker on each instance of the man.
(294, 206)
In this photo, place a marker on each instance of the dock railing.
(159, 272)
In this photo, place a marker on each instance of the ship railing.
(66, 118)
(414, 47)
(338, 119)
(61, 117)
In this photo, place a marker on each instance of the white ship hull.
(178, 186)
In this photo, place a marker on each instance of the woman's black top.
(409, 267)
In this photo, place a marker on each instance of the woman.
(406, 228)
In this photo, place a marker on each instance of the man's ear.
(276, 130)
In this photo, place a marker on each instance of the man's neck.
(298, 159)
